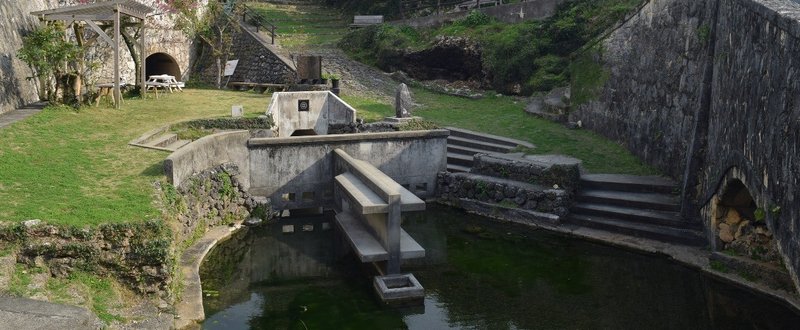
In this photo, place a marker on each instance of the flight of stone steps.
(463, 144)
(160, 139)
(640, 206)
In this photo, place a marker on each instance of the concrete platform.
(367, 247)
(399, 289)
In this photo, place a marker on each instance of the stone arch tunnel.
(162, 63)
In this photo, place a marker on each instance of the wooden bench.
(366, 20)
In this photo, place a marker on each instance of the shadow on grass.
(154, 170)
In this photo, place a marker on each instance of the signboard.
(230, 66)
(237, 111)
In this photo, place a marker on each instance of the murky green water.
(477, 275)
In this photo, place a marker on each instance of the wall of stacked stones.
(15, 87)
(754, 119)
(257, 64)
(747, 103)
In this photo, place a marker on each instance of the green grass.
(298, 26)
(505, 116)
(369, 109)
(71, 167)
(102, 295)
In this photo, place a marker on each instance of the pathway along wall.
(717, 89)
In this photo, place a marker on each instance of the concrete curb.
(189, 311)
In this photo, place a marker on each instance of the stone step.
(662, 218)
(630, 183)
(177, 144)
(477, 144)
(452, 168)
(462, 150)
(163, 140)
(367, 247)
(659, 233)
(457, 159)
(484, 137)
(652, 201)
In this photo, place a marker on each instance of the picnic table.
(163, 81)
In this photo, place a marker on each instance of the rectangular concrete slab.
(366, 200)
(408, 201)
(367, 246)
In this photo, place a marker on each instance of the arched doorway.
(162, 63)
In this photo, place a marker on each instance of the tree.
(48, 52)
(214, 24)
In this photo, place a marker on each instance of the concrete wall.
(207, 152)
(714, 97)
(325, 109)
(513, 13)
(298, 165)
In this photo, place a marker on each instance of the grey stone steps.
(462, 150)
(457, 168)
(489, 138)
(458, 159)
(163, 140)
(629, 183)
(477, 144)
(643, 216)
(652, 201)
(660, 233)
(177, 144)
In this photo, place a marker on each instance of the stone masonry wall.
(15, 22)
(655, 66)
(257, 63)
(702, 88)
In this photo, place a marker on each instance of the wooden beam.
(143, 66)
(64, 17)
(117, 92)
(101, 33)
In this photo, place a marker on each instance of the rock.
(733, 217)
(253, 221)
(743, 229)
(403, 102)
(31, 223)
(725, 233)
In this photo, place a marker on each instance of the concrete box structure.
(308, 113)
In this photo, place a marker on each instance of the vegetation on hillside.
(521, 58)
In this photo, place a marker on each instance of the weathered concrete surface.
(189, 311)
(28, 314)
(512, 13)
(716, 93)
(207, 152)
(325, 108)
(293, 166)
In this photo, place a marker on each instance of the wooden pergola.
(107, 11)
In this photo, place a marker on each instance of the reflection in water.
(477, 275)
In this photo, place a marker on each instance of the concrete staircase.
(160, 139)
(640, 206)
(463, 144)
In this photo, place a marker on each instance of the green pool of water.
(478, 274)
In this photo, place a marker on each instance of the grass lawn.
(70, 167)
(506, 117)
(299, 26)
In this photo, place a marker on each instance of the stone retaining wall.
(508, 193)
(559, 172)
(207, 152)
(717, 91)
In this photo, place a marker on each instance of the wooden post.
(143, 67)
(438, 7)
(117, 92)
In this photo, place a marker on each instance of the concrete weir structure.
(369, 179)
